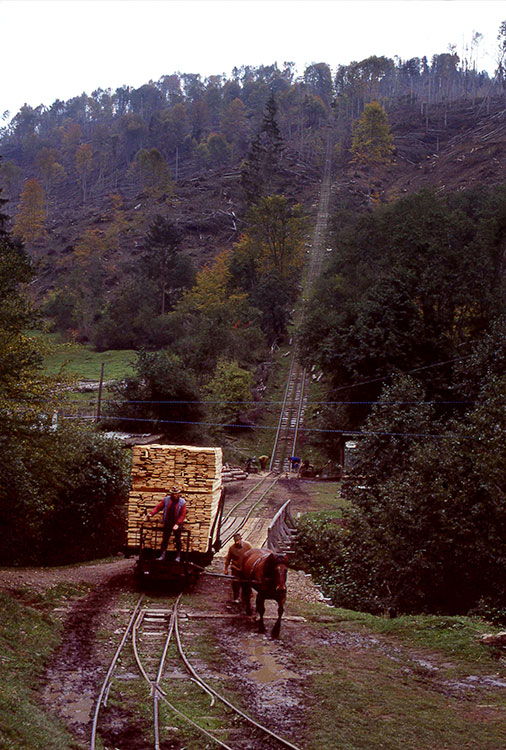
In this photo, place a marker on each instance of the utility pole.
(99, 401)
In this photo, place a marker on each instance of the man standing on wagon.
(174, 513)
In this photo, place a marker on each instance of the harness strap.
(262, 557)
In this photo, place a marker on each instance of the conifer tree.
(260, 167)
(163, 263)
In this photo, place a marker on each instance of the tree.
(372, 143)
(214, 319)
(86, 283)
(259, 170)
(22, 391)
(276, 229)
(234, 124)
(84, 166)
(10, 174)
(410, 285)
(50, 170)
(153, 172)
(318, 79)
(163, 396)
(217, 149)
(30, 221)
(163, 262)
(230, 390)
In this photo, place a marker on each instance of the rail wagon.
(198, 472)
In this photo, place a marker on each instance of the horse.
(264, 571)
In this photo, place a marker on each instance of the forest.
(174, 220)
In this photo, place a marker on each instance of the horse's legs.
(260, 607)
(277, 624)
(246, 597)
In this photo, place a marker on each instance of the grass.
(82, 362)
(28, 636)
(326, 497)
(450, 636)
(399, 691)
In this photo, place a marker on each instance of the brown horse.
(264, 571)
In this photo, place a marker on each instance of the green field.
(82, 362)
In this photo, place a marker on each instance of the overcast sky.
(56, 49)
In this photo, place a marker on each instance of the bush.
(63, 497)
(427, 532)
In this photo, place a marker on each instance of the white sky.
(56, 49)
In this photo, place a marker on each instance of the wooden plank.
(156, 468)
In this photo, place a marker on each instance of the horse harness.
(263, 556)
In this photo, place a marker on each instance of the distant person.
(294, 463)
(174, 514)
(234, 557)
(263, 461)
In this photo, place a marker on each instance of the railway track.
(154, 634)
(294, 400)
(240, 516)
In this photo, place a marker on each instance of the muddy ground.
(262, 670)
(269, 675)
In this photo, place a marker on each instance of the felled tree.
(372, 143)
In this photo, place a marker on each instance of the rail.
(292, 410)
(155, 620)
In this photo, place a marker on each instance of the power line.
(276, 403)
(407, 372)
(356, 433)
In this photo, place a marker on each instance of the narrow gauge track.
(294, 401)
(150, 631)
(236, 517)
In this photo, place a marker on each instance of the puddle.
(78, 708)
(269, 670)
(73, 705)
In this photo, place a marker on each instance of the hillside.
(109, 162)
(458, 147)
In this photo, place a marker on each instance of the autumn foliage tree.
(30, 221)
(151, 169)
(372, 143)
(84, 166)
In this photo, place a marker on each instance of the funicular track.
(151, 631)
(294, 401)
(294, 398)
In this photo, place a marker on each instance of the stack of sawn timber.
(155, 469)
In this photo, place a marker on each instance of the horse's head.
(276, 569)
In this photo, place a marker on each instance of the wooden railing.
(281, 530)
